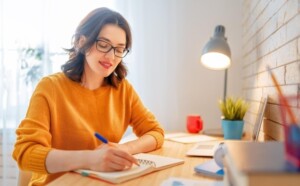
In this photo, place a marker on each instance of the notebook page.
(146, 166)
(118, 176)
(161, 162)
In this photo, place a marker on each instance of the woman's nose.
(111, 54)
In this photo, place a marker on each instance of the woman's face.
(98, 61)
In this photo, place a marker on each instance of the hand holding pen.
(105, 141)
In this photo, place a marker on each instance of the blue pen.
(104, 140)
(101, 138)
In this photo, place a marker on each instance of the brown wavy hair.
(90, 27)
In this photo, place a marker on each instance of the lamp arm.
(225, 84)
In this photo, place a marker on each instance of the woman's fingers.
(126, 157)
(111, 159)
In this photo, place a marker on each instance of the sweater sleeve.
(143, 121)
(33, 137)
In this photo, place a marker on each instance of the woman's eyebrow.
(106, 39)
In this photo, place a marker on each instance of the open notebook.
(148, 163)
(208, 148)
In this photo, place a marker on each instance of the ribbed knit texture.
(64, 115)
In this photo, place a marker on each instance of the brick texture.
(271, 37)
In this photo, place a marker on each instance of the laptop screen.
(259, 117)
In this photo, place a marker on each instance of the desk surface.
(172, 149)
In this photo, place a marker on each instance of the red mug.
(194, 123)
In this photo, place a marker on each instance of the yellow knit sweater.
(64, 115)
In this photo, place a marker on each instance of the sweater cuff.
(159, 137)
(37, 161)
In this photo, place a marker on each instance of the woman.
(90, 95)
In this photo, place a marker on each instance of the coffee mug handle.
(200, 124)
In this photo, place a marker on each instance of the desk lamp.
(216, 55)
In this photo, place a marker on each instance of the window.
(38, 26)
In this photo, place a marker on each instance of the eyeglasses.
(105, 47)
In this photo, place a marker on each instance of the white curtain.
(32, 35)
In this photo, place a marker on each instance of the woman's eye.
(103, 45)
(120, 50)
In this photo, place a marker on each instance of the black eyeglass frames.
(105, 47)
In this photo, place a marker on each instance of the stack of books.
(258, 164)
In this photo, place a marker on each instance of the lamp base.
(214, 132)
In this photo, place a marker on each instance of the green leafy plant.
(233, 109)
(31, 63)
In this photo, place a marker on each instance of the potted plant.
(233, 111)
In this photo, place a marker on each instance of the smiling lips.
(106, 65)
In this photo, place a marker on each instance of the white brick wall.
(271, 36)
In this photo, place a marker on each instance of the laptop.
(208, 148)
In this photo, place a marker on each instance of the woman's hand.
(125, 147)
(111, 157)
(106, 157)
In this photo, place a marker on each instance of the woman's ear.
(78, 46)
(81, 41)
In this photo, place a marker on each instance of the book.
(176, 181)
(258, 164)
(148, 163)
(214, 167)
(206, 149)
(210, 168)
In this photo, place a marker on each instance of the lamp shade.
(216, 53)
